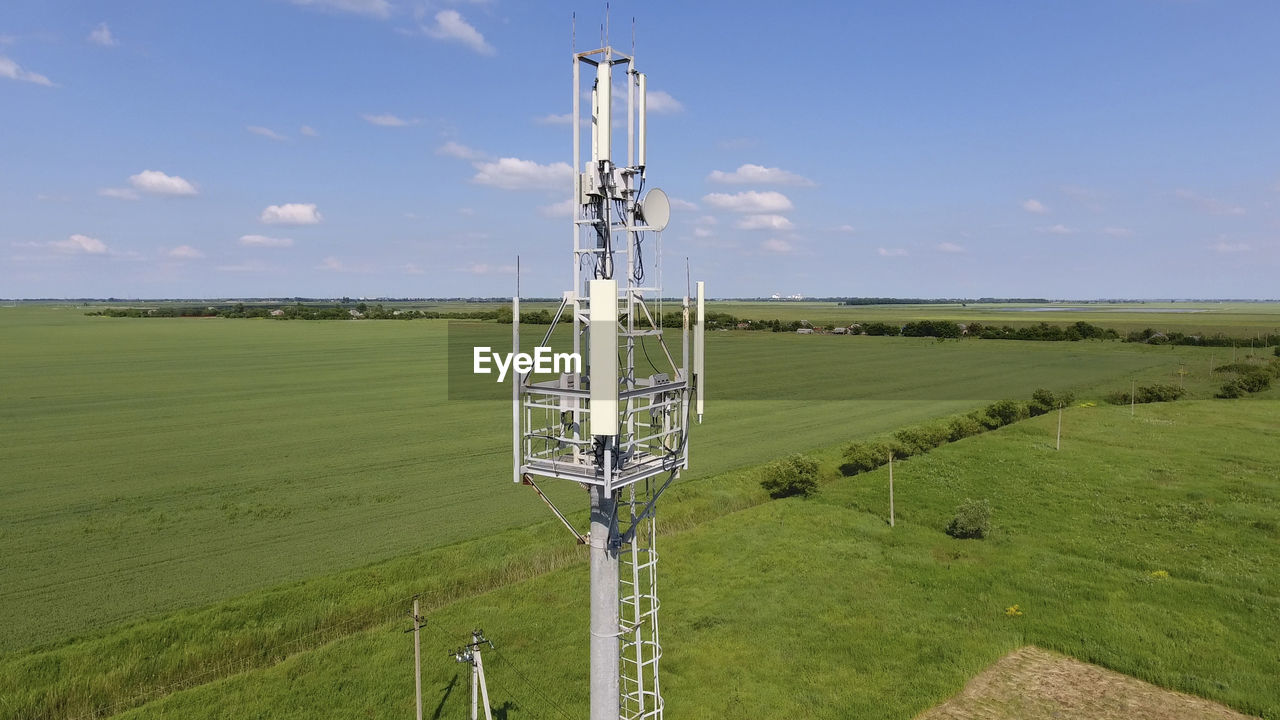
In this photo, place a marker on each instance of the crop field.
(199, 478)
(1146, 545)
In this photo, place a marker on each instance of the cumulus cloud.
(185, 252)
(1209, 205)
(101, 35)
(706, 220)
(158, 183)
(681, 204)
(701, 232)
(265, 132)
(562, 209)
(458, 150)
(764, 222)
(389, 120)
(848, 229)
(759, 175)
(264, 241)
(1120, 232)
(1032, 205)
(751, 201)
(451, 26)
(1223, 246)
(950, 247)
(517, 174)
(1058, 229)
(891, 252)
(13, 71)
(291, 214)
(80, 244)
(777, 245)
(119, 193)
(661, 103)
(308, 131)
(372, 8)
(554, 119)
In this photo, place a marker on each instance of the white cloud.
(891, 252)
(185, 252)
(750, 201)
(554, 119)
(701, 232)
(1032, 205)
(848, 229)
(1209, 205)
(458, 150)
(487, 269)
(264, 241)
(80, 244)
(308, 131)
(158, 183)
(764, 222)
(119, 193)
(680, 204)
(706, 220)
(1223, 246)
(372, 8)
(389, 120)
(101, 35)
(661, 103)
(777, 245)
(1120, 232)
(333, 264)
(291, 214)
(13, 71)
(517, 174)
(450, 25)
(1058, 229)
(759, 175)
(466, 211)
(562, 209)
(265, 132)
(950, 247)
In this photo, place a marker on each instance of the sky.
(1071, 149)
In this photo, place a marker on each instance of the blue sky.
(1070, 149)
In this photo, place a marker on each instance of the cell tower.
(619, 426)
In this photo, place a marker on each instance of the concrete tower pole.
(604, 605)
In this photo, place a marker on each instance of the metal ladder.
(641, 698)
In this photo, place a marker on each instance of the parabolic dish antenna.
(656, 209)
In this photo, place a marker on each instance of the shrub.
(963, 427)
(982, 418)
(1146, 394)
(793, 475)
(864, 457)
(1278, 351)
(972, 520)
(1006, 412)
(1044, 401)
(922, 438)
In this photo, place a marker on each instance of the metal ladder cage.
(640, 693)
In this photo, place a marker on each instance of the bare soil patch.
(1034, 684)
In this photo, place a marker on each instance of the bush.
(963, 427)
(982, 418)
(1044, 401)
(793, 475)
(1146, 394)
(972, 520)
(1278, 351)
(922, 438)
(864, 457)
(1005, 412)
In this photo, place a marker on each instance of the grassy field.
(159, 464)
(1147, 545)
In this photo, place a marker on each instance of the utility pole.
(890, 488)
(418, 622)
(1059, 447)
(470, 653)
(1133, 397)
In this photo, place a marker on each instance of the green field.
(816, 608)
(181, 495)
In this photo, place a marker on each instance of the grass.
(817, 608)
(154, 465)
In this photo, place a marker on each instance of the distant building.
(804, 331)
(839, 331)
(277, 312)
(356, 313)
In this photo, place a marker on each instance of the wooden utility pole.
(1059, 428)
(418, 622)
(1133, 397)
(890, 488)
